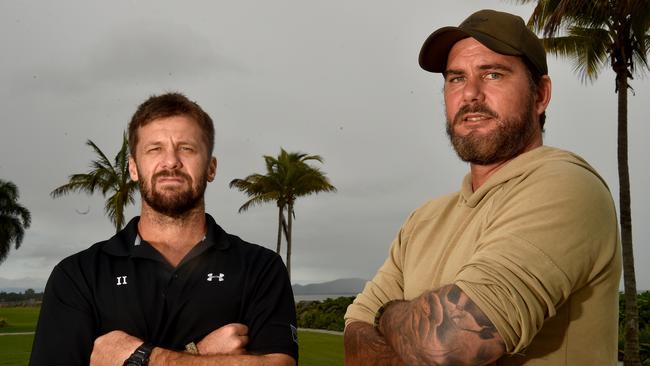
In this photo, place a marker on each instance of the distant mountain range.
(341, 287)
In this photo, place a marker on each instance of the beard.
(173, 202)
(507, 140)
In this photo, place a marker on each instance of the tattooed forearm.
(441, 327)
(364, 346)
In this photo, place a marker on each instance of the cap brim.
(434, 52)
(433, 55)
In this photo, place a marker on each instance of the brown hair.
(535, 79)
(170, 105)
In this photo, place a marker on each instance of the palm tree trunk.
(631, 357)
(289, 223)
(280, 220)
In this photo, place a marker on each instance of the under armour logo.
(219, 277)
(121, 280)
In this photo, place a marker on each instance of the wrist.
(380, 314)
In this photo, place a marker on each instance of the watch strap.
(140, 357)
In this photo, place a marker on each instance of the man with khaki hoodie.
(522, 265)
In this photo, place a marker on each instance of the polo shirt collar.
(127, 242)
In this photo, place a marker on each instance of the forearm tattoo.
(365, 347)
(441, 327)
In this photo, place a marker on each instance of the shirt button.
(176, 276)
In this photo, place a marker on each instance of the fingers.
(229, 339)
(236, 329)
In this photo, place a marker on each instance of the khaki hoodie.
(536, 247)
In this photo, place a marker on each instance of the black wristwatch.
(140, 357)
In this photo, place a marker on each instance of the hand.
(113, 348)
(231, 339)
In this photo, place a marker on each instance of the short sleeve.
(546, 238)
(65, 330)
(270, 311)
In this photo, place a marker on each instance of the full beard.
(508, 140)
(173, 202)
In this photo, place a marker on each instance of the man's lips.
(474, 117)
(170, 179)
(474, 120)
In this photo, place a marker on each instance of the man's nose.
(171, 160)
(473, 90)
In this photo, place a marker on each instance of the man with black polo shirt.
(171, 288)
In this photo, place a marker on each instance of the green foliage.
(288, 176)
(14, 218)
(107, 177)
(596, 34)
(326, 314)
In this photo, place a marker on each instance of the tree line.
(29, 295)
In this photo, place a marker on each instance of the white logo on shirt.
(121, 280)
(219, 277)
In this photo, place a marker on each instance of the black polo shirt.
(125, 284)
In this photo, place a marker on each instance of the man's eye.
(153, 149)
(186, 148)
(455, 79)
(493, 76)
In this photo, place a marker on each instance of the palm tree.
(595, 34)
(14, 218)
(288, 176)
(107, 177)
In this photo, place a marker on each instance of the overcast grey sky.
(335, 78)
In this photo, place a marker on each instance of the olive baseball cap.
(501, 32)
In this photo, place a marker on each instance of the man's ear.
(133, 169)
(543, 94)
(212, 169)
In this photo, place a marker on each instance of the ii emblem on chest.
(121, 280)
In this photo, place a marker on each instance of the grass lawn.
(19, 319)
(316, 349)
(15, 349)
(319, 349)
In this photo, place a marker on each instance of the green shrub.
(326, 314)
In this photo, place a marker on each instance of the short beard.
(173, 204)
(508, 140)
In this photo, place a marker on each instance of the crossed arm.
(440, 327)
(224, 346)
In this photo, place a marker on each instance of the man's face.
(172, 165)
(492, 111)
